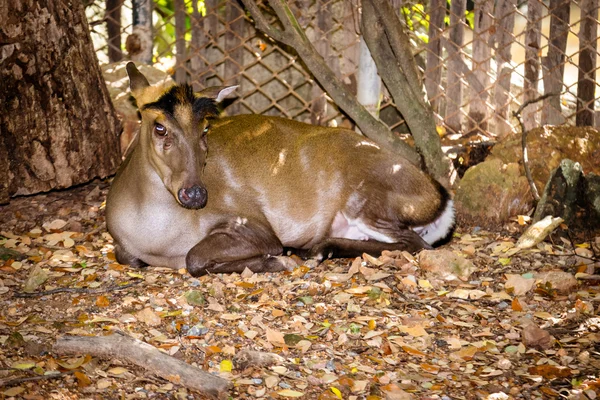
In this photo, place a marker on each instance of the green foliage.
(417, 19)
(164, 24)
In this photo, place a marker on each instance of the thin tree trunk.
(505, 17)
(196, 46)
(58, 127)
(234, 48)
(319, 104)
(433, 70)
(478, 110)
(139, 43)
(454, 86)
(113, 29)
(533, 37)
(586, 86)
(553, 64)
(388, 44)
(180, 50)
(368, 81)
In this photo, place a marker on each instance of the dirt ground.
(477, 319)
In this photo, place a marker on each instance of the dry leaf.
(275, 337)
(518, 284)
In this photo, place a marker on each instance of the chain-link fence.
(480, 62)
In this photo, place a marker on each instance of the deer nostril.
(193, 197)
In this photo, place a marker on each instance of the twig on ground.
(517, 115)
(16, 381)
(76, 290)
(126, 348)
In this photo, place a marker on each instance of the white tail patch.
(439, 228)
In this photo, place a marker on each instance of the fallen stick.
(124, 347)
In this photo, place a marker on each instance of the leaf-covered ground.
(477, 319)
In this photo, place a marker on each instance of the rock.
(492, 192)
(117, 83)
(560, 195)
(547, 146)
(572, 196)
(592, 192)
(560, 280)
(446, 264)
(533, 336)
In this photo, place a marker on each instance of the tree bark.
(553, 64)
(124, 347)
(505, 23)
(322, 23)
(58, 127)
(180, 47)
(234, 48)
(586, 86)
(433, 70)
(113, 29)
(454, 86)
(368, 81)
(139, 43)
(478, 110)
(533, 37)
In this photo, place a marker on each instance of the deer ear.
(137, 81)
(217, 93)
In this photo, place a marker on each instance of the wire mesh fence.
(479, 62)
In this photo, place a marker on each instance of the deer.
(221, 194)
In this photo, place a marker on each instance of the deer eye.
(160, 130)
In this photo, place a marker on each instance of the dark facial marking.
(202, 107)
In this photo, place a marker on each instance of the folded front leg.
(407, 240)
(235, 245)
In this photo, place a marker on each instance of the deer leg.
(407, 240)
(233, 246)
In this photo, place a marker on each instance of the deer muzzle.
(193, 197)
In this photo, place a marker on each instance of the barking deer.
(221, 194)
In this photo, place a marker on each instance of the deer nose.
(193, 197)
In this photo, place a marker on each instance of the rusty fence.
(479, 63)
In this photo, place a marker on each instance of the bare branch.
(517, 115)
(263, 25)
(124, 347)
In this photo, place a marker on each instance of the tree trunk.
(180, 48)
(113, 29)
(454, 86)
(323, 21)
(58, 127)
(433, 71)
(505, 23)
(234, 48)
(390, 48)
(586, 86)
(368, 81)
(554, 63)
(533, 37)
(478, 111)
(139, 43)
(203, 29)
